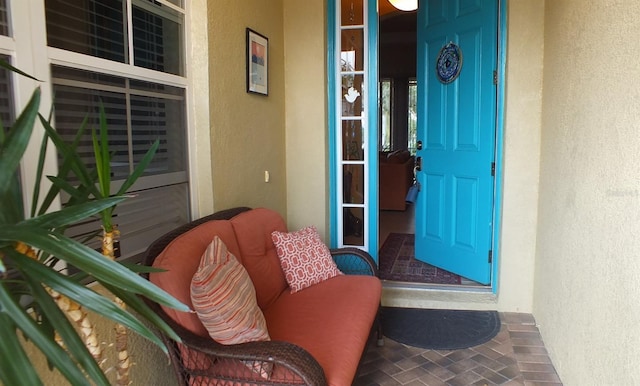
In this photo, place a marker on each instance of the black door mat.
(439, 329)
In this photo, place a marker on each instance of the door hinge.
(495, 77)
(493, 169)
(490, 256)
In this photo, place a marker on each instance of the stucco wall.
(247, 130)
(306, 114)
(523, 104)
(587, 278)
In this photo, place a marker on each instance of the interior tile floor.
(516, 356)
(395, 221)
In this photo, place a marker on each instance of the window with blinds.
(6, 95)
(4, 19)
(137, 114)
(138, 111)
(101, 28)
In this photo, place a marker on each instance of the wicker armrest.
(354, 261)
(294, 358)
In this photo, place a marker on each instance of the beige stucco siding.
(587, 276)
(247, 130)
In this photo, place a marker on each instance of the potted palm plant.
(31, 248)
(97, 185)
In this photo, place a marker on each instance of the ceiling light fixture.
(405, 5)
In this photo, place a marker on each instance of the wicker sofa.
(318, 335)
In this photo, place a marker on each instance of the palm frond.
(59, 322)
(141, 308)
(69, 160)
(16, 141)
(48, 346)
(88, 260)
(19, 370)
(71, 214)
(6, 65)
(39, 173)
(91, 300)
(76, 163)
(140, 168)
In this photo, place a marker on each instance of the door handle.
(418, 163)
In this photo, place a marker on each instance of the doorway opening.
(397, 146)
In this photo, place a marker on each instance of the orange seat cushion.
(331, 320)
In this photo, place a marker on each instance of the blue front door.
(457, 60)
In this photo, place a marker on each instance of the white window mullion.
(7, 45)
(198, 104)
(365, 124)
(86, 62)
(129, 29)
(129, 125)
(359, 166)
(30, 37)
(338, 129)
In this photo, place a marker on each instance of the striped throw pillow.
(304, 258)
(224, 298)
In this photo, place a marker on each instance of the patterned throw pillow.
(224, 298)
(304, 258)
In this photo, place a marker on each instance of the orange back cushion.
(181, 258)
(253, 232)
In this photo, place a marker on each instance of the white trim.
(351, 27)
(70, 59)
(355, 72)
(7, 45)
(338, 127)
(116, 89)
(365, 125)
(29, 34)
(362, 118)
(198, 113)
(129, 32)
(162, 12)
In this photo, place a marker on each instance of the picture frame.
(257, 63)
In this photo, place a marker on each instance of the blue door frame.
(370, 132)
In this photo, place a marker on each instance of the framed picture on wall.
(257, 63)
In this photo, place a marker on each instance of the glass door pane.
(352, 130)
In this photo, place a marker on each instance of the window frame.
(29, 51)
